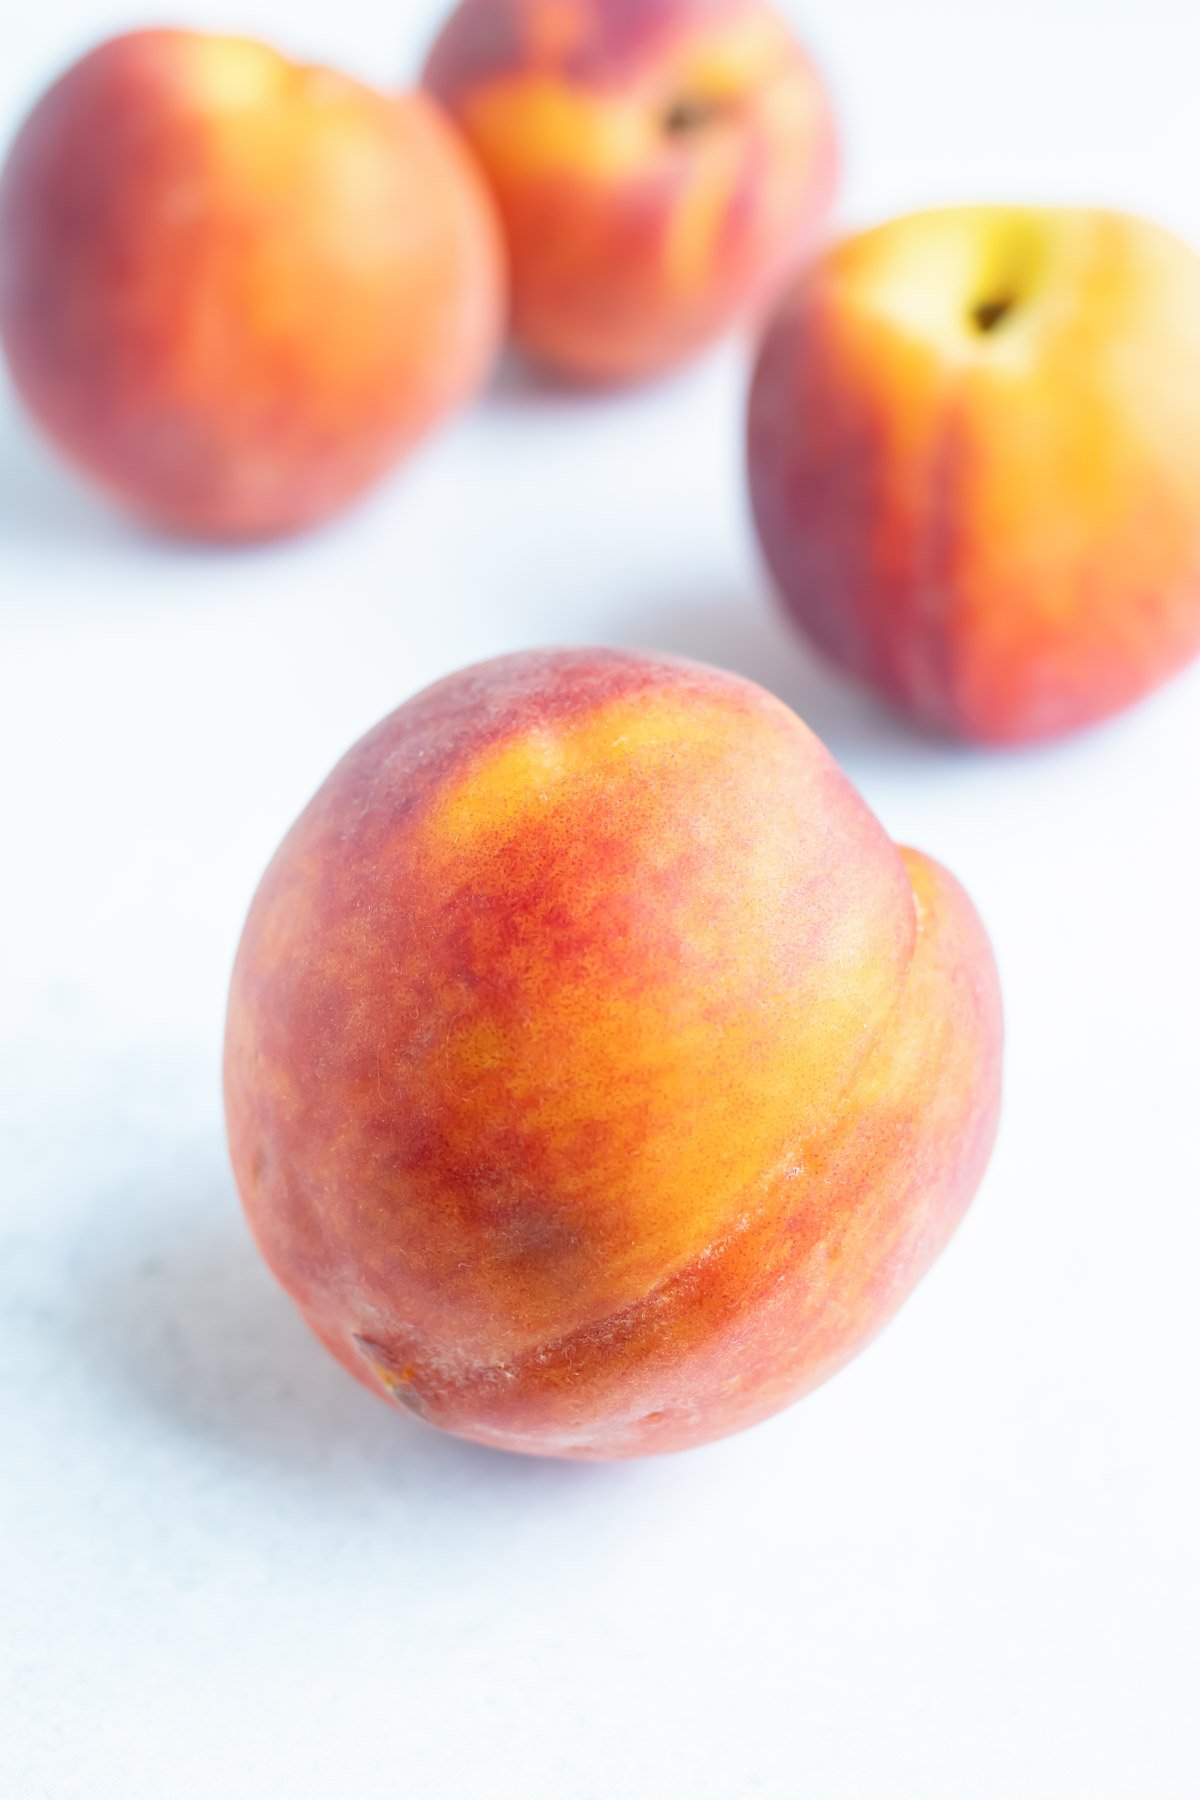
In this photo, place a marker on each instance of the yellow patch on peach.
(539, 127)
(690, 241)
(595, 1031)
(233, 75)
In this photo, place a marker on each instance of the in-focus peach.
(599, 1075)
(974, 450)
(658, 163)
(235, 290)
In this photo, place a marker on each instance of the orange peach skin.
(599, 1076)
(974, 452)
(234, 290)
(658, 164)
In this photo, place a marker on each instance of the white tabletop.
(966, 1569)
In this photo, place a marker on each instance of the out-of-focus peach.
(234, 290)
(975, 463)
(599, 1075)
(657, 164)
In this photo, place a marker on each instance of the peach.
(234, 290)
(974, 454)
(599, 1076)
(657, 163)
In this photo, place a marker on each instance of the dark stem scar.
(988, 314)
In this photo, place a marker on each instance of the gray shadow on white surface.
(41, 500)
(519, 384)
(45, 506)
(181, 1315)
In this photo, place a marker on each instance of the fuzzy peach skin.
(599, 1076)
(974, 453)
(234, 290)
(658, 164)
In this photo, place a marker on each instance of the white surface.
(967, 1569)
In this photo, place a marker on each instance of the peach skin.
(657, 163)
(599, 1076)
(234, 290)
(974, 458)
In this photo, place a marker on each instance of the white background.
(965, 1570)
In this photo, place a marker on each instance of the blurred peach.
(234, 290)
(658, 165)
(974, 451)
